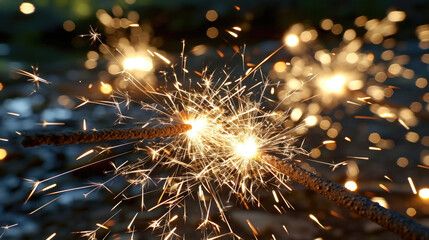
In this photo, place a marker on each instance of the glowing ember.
(138, 63)
(247, 149)
(292, 40)
(198, 125)
(424, 193)
(351, 185)
(334, 84)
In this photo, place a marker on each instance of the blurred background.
(359, 71)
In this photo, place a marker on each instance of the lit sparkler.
(231, 139)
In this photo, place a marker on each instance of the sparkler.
(229, 141)
(404, 227)
(103, 135)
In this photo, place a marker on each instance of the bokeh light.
(106, 88)
(27, 8)
(351, 185)
(3, 153)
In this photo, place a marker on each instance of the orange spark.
(162, 58)
(375, 148)
(384, 187)
(252, 227)
(52, 236)
(102, 226)
(312, 217)
(49, 187)
(85, 154)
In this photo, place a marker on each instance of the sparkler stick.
(102, 135)
(391, 220)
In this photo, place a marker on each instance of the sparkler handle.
(31, 140)
(390, 220)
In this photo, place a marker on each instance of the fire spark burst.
(230, 130)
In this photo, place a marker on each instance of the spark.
(384, 187)
(422, 166)
(46, 123)
(36, 184)
(312, 217)
(413, 188)
(403, 124)
(275, 196)
(34, 77)
(51, 236)
(132, 221)
(374, 148)
(365, 117)
(353, 103)
(101, 225)
(49, 187)
(387, 115)
(252, 227)
(93, 35)
(328, 142)
(335, 214)
(4, 139)
(7, 227)
(13, 114)
(278, 209)
(85, 154)
(347, 139)
(356, 157)
(162, 58)
(84, 124)
(284, 227)
(170, 234)
(232, 33)
(44, 205)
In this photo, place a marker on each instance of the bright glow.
(27, 8)
(424, 193)
(198, 125)
(311, 121)
(106, 88)
(138, 63)
(351, 185)
(3, 153)
(381, 201)
(247, 149)
(334, 84)
(292, 40)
